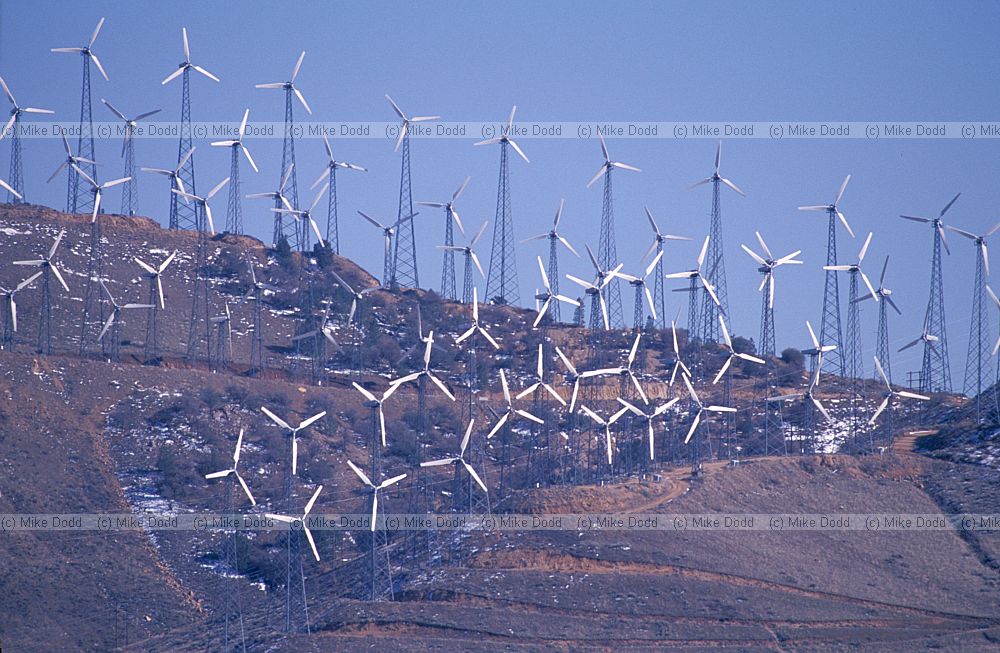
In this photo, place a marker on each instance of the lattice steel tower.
(286, 223)
(607, 249)
(501, 282)
(185, 215)
(936, 366)
(82, 198)
(330, 174)
(13, 128)
(450, 219)
(830, 326)
(716, 270)
(979, 362)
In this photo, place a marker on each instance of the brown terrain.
(80, 434)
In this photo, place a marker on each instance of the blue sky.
(575, 61)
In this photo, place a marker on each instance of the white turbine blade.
(281, 518)
(475, 261)
(722, 370)
(878, 411)
(545, 277)
(222, 474)
(706, 180)
(306, 423)
(704, 250)
(246, 488)
(374, 509)
(298, 65)
(576, 391)
(821, 409)
(59, 276)
(555, 395)
(711, 291)
(159, 290)
(475, 476)
(868, 283)
(10, 189)
(357, 470)
(295, 454)
(649, 300)
(109, 184)
(911, 344)
(753, 255)
(625, 166)
(840, 192)
(525, 414)
(503, 384)
(784, 260)
(51, 177)
(208, 216)
(581, 282)
(598, 175)
(541, 312)
(846, 225)
(652, 264)
(607, 440)
(110, 106)
(439, 462)
(864, 248)
(915, 218)
(812, 335)
(948, 205)
(635, 348)
(441, 385)
(312, 543)
(690, 389)
(606, 371)
(694, 425)
(302, 99)
(592, 415)
(468, 435)
(748, 357)
(107, 325)
(205, 73)
(465, 335)
(250, 160)
(642, 393)
(488, 337)
(733, 186)
(912, 395)
(496, 427)
(517, 149)
(274, 85)
(100, 68)
(172, 76)
(720, 409)
(277, 420)
(66, 49)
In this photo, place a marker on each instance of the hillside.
(81, 434)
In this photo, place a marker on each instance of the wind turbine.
(130, 193)
(387, 233)
(768, 264)
(540, 382)
(156, 303)
(356, 296)
(451, 219)
(97, 189)
(476, 326)
(501, 283)
(701, 408)
(280, 201)
(830, 325)
(224, 337)
(732, 353)
(696, 276)
(49, 268)
(330, 173)
(976, 362)
(302, 521)
(426, 372)
(10, 189)
(549, 294)
(649, 417)
(375, 489)
(185, 162)
(460, 458)
(571, 376)
(639, 283)
(607, 424)
(809, 399)
(890, 393)
(853, 368)
(625, 372)
(884, 294)
(376, 403)
(598, 304)
(405, 251)
(173, 175)
(13, 127)
(470, 258)
(554, 237)
(234, 471)
(10, 301)
(511, 412)
(719, 301)
(69, 161)
(203, 201)
(85, 137)
(234, 214)
(293, 432)
(304, 220)
(114, 322)
(256, 293)
(607, 251)
(678, 363)
(659, 238)
(818, 349)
